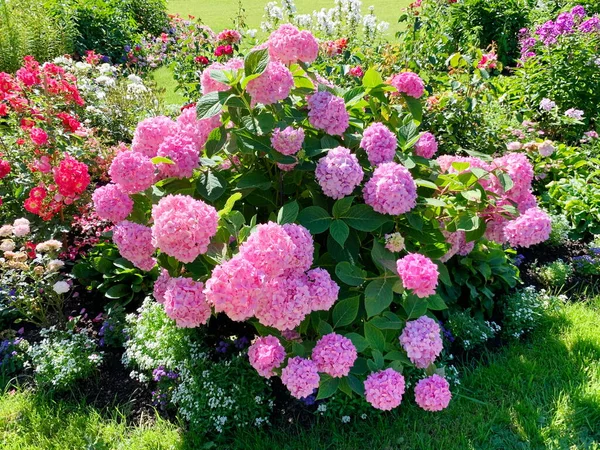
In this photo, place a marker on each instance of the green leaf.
(211, 104)
(254, 180)
(372, 78)
(339, 231)
(356, 385)
(329, 142)
(473, 195)
(378, 296)
(211, 185)
(118, 291)
(161, 160)
(220, 76)
(505, 181)
(363, 218)
(378, 359)
(350, 274)
(324, 328)
(342, 206)
(230, 204)
(436, 303)
(374, 337)
(216, 141)
(414, 306)
(383, 258)
(359, 342)
(345, 311)
(327, 387)
(256, 62)
(396, 355)
(315, 219)
(288, 213)
(415, 107)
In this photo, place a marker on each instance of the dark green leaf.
(288, 213)
(345, 311)
(211, 185)
(253, 180)
(342, 206)
(256, 62)
(350, 274)
(118, 291)
(363, 218)
(378, 296)
(414, 306)
(374, 337)
(315, 219)
(327, 386)
(211, 104)
(356, 385)
(436, 303)
(359, 342)
(339, 231)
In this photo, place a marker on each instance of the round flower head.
(38, 136)
(328, 112)
(520, 170)
(234, 288)
(285, 302)
(379, 143)
(418, 273)
(289, 45)
(323, 290)
(334, 355)
(111, 203)
(458, 242)
(133, 172)
(426, 146)
(160, 286)
(303, 240)
(422, 341)
(384, 389)
(135, 244)
(209, 85)
(338, 173)
(546, 148)
(408, 83)
(183, 152)
(150, 133)
(266, 354)
(21, 227)
(531, 228)
(273, 85)
(394, 242)
(197, 130)
(71, 177)
(287, 141)
(300, 376)
(185, 303)
(391, 190)
(183, 227)
(433, 393)
(6, 230)
(494, 230)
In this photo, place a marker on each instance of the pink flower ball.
(520, 170)
(391, 189)
(426, 146)
(459, 244)
(418, 273)
(422, 341)
(183, 152)
(111, 203)
(379, 143)
(183, 226)
(285, 302)
(133, 172)
(287, 167)
(150, 133)
(323, 290)
(289, 45)
(531, 228)
(384, 389)
(135, 244)
(338, 173)
(234, 288)
(495, 229)
(197, 130)
(38, 136)
(302, 257)
(272, 86)
(300, 376)
(409, 83)
(185, 303)
(160, 286)
(287, 141)
(334, 355)
(270, 249)
(266, 354)
(209, 85)
(433, 393)
(328, 112)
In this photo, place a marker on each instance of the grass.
(540, 393)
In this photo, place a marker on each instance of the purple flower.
(573, 113)
(519, 260)
(240, 343)
(547, 105)
(590, 25)
(222, 347)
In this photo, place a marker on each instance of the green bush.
(150, 15)
(555, 274)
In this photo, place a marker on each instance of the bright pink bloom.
(197, 130)
(289, 45)
(265, 355)
(287, 141)
(111, 203)
(132, 171)
(323, 290)
(71, 177)
(38, 136)
(334, 355)
(338, 173)
(150, 133)
(379, 143)
(273, 85)
(300, 376)
(302, 257)
(210, 85)
(422, 341)
(384, 389)
(229, 36)
(4, 168)
(286, 301)
(183, 152)
(357, 72)
(418, 273)
(433, 393)
(408, 83)
(328, 112)
(185, 303)
(391, 190)
(531, 228)
(426, 146)
(160, 286)
(135, 244)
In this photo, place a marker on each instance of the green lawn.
(540, 393)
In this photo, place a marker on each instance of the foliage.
(560, 230)
(470, 332)
(13, 355)
(554, 274)
(524, 310)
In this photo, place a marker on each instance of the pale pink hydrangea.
(285, 302)
(235, 289)
(185, 302)
(209, 85)
(384, 389)
(418, 273)
(526, 201)
(379, 143)
(495, 229)
(183, 226)
(197, 130)
(394, 242)
(302, 257)
(408, 83)
(273, 85)
(266, 354)
(150, 133)
(433, 393)
(111, 203)
(270, 249)
(287, 141)
(289, 45)
(323, 290)
(531, 228)
(182, 151)
(426, 146)
(21, 227)
(328, 112)
(338, 173)
(134, 242)
(422, 341)
(300, 376)
(334, 355)
(132, 171)
(458, 241)
(160, 286)
(445, 162)
(546, 148)
(391, 190)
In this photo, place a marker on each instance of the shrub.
(150, 15)
(555, 274)
(524, 309)
(470, 332)
(13, 355)
(560, 230)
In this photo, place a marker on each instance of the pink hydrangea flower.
(111, 203)
(495, 229)
(433, 393)
(286, 301)
(197, 130)
(132, 171)
(426, 146)
(300, 376)
(379, 143)
(302, 257)
(289, 45)
(531, 228)
(273, 85)
(160, 286)
(459, 244)
(266, 354)
(418, 273)
(546, 148)
(185, 302)
(422, 341)
(445, 162)
(287, 141)
(135, 244)
(391, 189)
(384, 389)
(409, 83)
(323, 290)
(287, 167)
(183, 226)
(209, 85)
(183, 152)
(334, 355)
(338, 173)
(520, 170)
(328, 112)
(270, 249)
(150, 133)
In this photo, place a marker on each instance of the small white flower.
(61, 287)
(346, 419)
